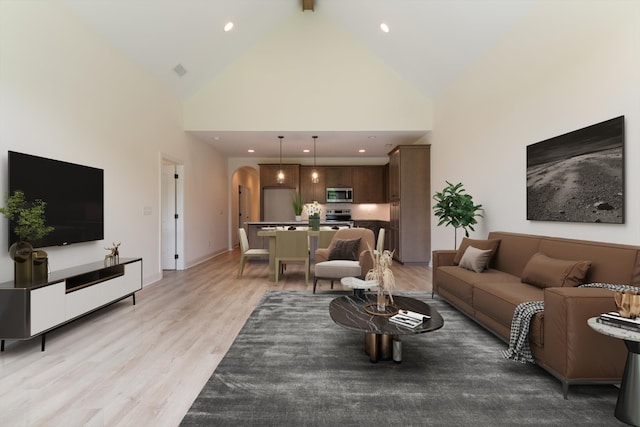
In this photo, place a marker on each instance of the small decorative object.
(314, 210)
(298, 206)
(113, 257)
(381, 272)
(455, 208)
(628, 304)
(30, 226)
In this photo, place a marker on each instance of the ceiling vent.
(180, 70)
(307, 5)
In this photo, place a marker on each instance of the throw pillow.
(475, 259)
(490, 244)
(345, 249)
(545, 272)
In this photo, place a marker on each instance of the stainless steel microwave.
(339, 195)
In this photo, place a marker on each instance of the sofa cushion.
(337, 269)
(546, 272)
(459, 281)
(345, 249)
(491, 244)
(475, 259)
(498, 300)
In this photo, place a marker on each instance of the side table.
(627, 408)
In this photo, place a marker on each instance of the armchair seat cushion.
(337, 269)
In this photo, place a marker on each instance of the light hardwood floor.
(144, 365)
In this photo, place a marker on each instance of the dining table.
(270, 232)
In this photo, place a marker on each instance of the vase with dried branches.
(381, 272)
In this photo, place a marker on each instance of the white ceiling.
(430, 43)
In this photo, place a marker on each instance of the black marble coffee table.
(380, 334)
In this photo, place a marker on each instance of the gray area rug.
(292, 366)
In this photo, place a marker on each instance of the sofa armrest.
(440, 258)
(443, 257)
(571, 348)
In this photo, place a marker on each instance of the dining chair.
(246, 252)
(292, 246)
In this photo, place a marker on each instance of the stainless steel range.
(338, 215)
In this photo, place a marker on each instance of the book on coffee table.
(409, 319)
(614, 319)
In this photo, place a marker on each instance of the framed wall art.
(578, 176)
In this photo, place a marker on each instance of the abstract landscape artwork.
(578, 176)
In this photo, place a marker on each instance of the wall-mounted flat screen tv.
(74, 195)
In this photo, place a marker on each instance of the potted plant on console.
(30, 225)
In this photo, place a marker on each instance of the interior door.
(169, 219)
(244, 208)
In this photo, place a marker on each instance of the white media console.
(29, 311)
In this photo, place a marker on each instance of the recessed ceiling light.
(228, 26)
(384, 27)
(251, 150)
(306, 150)
(362, 150)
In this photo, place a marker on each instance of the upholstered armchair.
(343, 258)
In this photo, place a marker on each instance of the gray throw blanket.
(519, 349)
(519, 339)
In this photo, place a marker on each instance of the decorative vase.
(314, 223)
(40, 269)
(298, 218)
(381, 300)
(22, 253)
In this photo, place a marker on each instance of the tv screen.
(74, 195)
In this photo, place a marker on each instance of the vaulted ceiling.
(429, 44)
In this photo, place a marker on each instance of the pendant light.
(315, 177)
(280, 176)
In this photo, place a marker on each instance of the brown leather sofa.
(560, 339)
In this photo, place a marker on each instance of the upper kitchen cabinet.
(410, 197)
(338, 177)
(369, 184)
(268, 176)
(313, 192)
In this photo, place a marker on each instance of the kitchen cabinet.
(410, 203)
(269, 180)
(368, 184)
(308, 189)
(338, 176)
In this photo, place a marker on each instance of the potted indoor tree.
(298, 205)
(454, 207)
(30, 225)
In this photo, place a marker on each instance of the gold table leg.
(378, 346)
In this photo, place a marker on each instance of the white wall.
(568, 65)
(308, 74)
(68, 95)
